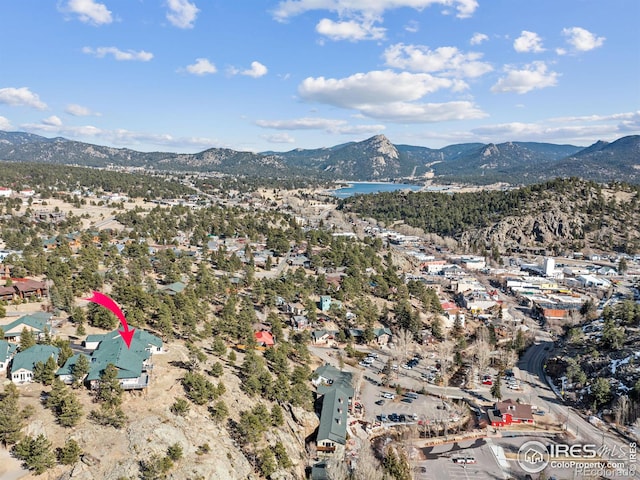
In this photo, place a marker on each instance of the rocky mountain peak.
(383, 146)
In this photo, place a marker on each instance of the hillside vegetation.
(558, 214)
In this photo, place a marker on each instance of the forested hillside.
(561, 213)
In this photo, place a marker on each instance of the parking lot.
(445, 461)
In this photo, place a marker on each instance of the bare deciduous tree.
(337, 468)
(404, 344)
(368, 467)
(622, 410)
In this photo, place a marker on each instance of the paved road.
(531, 371)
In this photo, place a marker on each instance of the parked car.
(388, 395)
(487, 381)
(539, 412)
(380, 402)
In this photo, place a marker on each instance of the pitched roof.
(518, 411)
(378, 332)
(264, 337)
(173, 288)
(37, 321)
(127, 361)
(336, 378)
(32, 355)
(6, 350)
(333, 417)
(67, 368)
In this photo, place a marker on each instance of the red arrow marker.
(108, 303)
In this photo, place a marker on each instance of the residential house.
(337, 394)
(173, 288)
(357, 334)
(510, 412)
(264, 339)
(321, 337)
(325, 303)
(7, 351)
(299, 322)
(133, 364)
(7, 293)
(142, 340)
(30, 288)
(300, 261)
(65, 373)
(38, 323)
(24, 363)
(296, 308)
(332, 431)
(327, 377)
(382, 335)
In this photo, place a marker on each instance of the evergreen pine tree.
(27, 339)
(70, 453)
(36, 453)
(80, 369)
(109, 391)
(10, 420)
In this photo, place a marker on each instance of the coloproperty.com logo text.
(586, 460)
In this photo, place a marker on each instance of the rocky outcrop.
(529, 231)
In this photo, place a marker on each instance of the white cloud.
(349, 30)
(528, 42)
(120, 55)
(202, 67)
(531, 77)
(279, 138)
(389, 96)
(582, 40)
(21, 97)
(367, 8)
(122, 137)
(478, 38)
(404, 112)
(79, 111)
(5, 124)
(53, 121)
(327, 124)
(375, 87)
(90, 11)
(257, 70)
(412, 26)
(447, 60)
(561, 51)
(182, 13)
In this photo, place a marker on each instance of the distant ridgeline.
(557, 214)
(373, 159)
(44, 178)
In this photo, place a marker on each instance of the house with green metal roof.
(327, 377)
(7, 351)
(36, 322)
(23, 364)
(334, 386)
(133, 364)
(141, 340)
(173, 288)
(332, 432)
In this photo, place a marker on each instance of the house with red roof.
(265, 339)
(509, 412)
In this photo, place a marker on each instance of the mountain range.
(373, 159)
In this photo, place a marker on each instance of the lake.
(355, 188)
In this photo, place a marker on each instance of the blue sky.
(186, 75)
